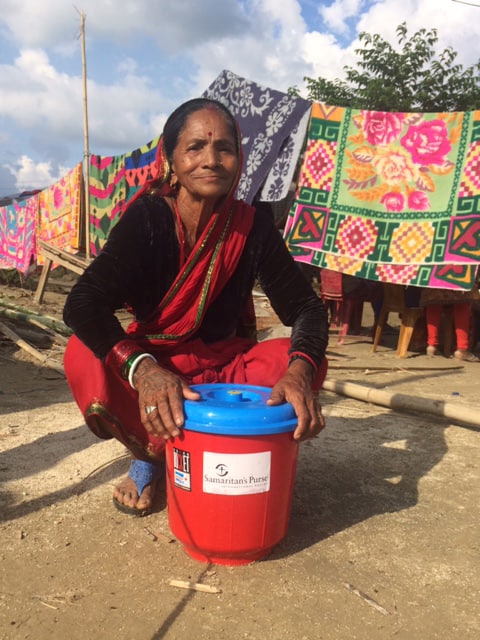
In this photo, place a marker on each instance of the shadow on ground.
(357, 469)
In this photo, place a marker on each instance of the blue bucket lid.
(237, 409)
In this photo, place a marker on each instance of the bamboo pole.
(401, 402)
(14, 312)
(86, 148)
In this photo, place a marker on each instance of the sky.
(145, 57)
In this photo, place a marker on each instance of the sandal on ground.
(432, 351)
(142, 473)
(466, 356)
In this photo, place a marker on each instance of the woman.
(184, 258)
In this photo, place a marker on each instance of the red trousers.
(461, 321)
(110, 406)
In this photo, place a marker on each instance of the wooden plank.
(14, 337)
(67, 260)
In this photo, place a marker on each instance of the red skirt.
(110, 406)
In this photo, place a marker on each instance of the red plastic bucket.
(230, 474)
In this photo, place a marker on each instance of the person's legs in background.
(462, 319)
(433, 314)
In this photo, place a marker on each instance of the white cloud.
(174, 24)
(35, 94)
(29, 174)
(336, 14)
(278, 51)
(314, 46)
(49, 104)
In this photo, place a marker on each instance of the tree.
(412, 79)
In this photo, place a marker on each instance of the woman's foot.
(432, 351)
(466, 356)
(136, 493)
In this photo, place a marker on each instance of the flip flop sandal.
(142, 473)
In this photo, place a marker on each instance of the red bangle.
(121, 356)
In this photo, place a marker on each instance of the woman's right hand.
(162, 389)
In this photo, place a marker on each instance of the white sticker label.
(236, 474)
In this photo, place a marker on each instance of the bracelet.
(304, 357)
(121, 356)
(127, 364)
(134, 364)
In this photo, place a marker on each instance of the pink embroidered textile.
(59, 212)
(17, 234)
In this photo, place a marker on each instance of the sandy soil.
(383, 537)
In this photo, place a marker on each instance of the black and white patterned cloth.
(273, 127)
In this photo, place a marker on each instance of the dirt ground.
(383, 540)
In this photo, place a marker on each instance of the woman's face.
(205, 159)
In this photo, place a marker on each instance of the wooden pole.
(401, 402)
(86, 149)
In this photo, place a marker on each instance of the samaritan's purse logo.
(236, 473)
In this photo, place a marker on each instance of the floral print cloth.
(392, 197)
(17, 234)
(271, 127)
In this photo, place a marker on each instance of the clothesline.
(390, 197)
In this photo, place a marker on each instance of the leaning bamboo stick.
(16, 312)
(401, 402)
(10, 314)
(11, 335)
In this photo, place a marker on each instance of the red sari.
(107, 401)
(105, 398)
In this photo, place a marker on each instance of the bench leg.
(42, 283)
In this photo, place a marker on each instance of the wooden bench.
(52, 255)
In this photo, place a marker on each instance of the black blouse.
(140, 261)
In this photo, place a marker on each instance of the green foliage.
(413, 78)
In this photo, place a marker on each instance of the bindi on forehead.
(209, 134)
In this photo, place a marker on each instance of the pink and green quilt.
(390, 197)
(113, 181)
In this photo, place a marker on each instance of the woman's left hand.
(295, 387)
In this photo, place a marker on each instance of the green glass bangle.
(127, 365)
